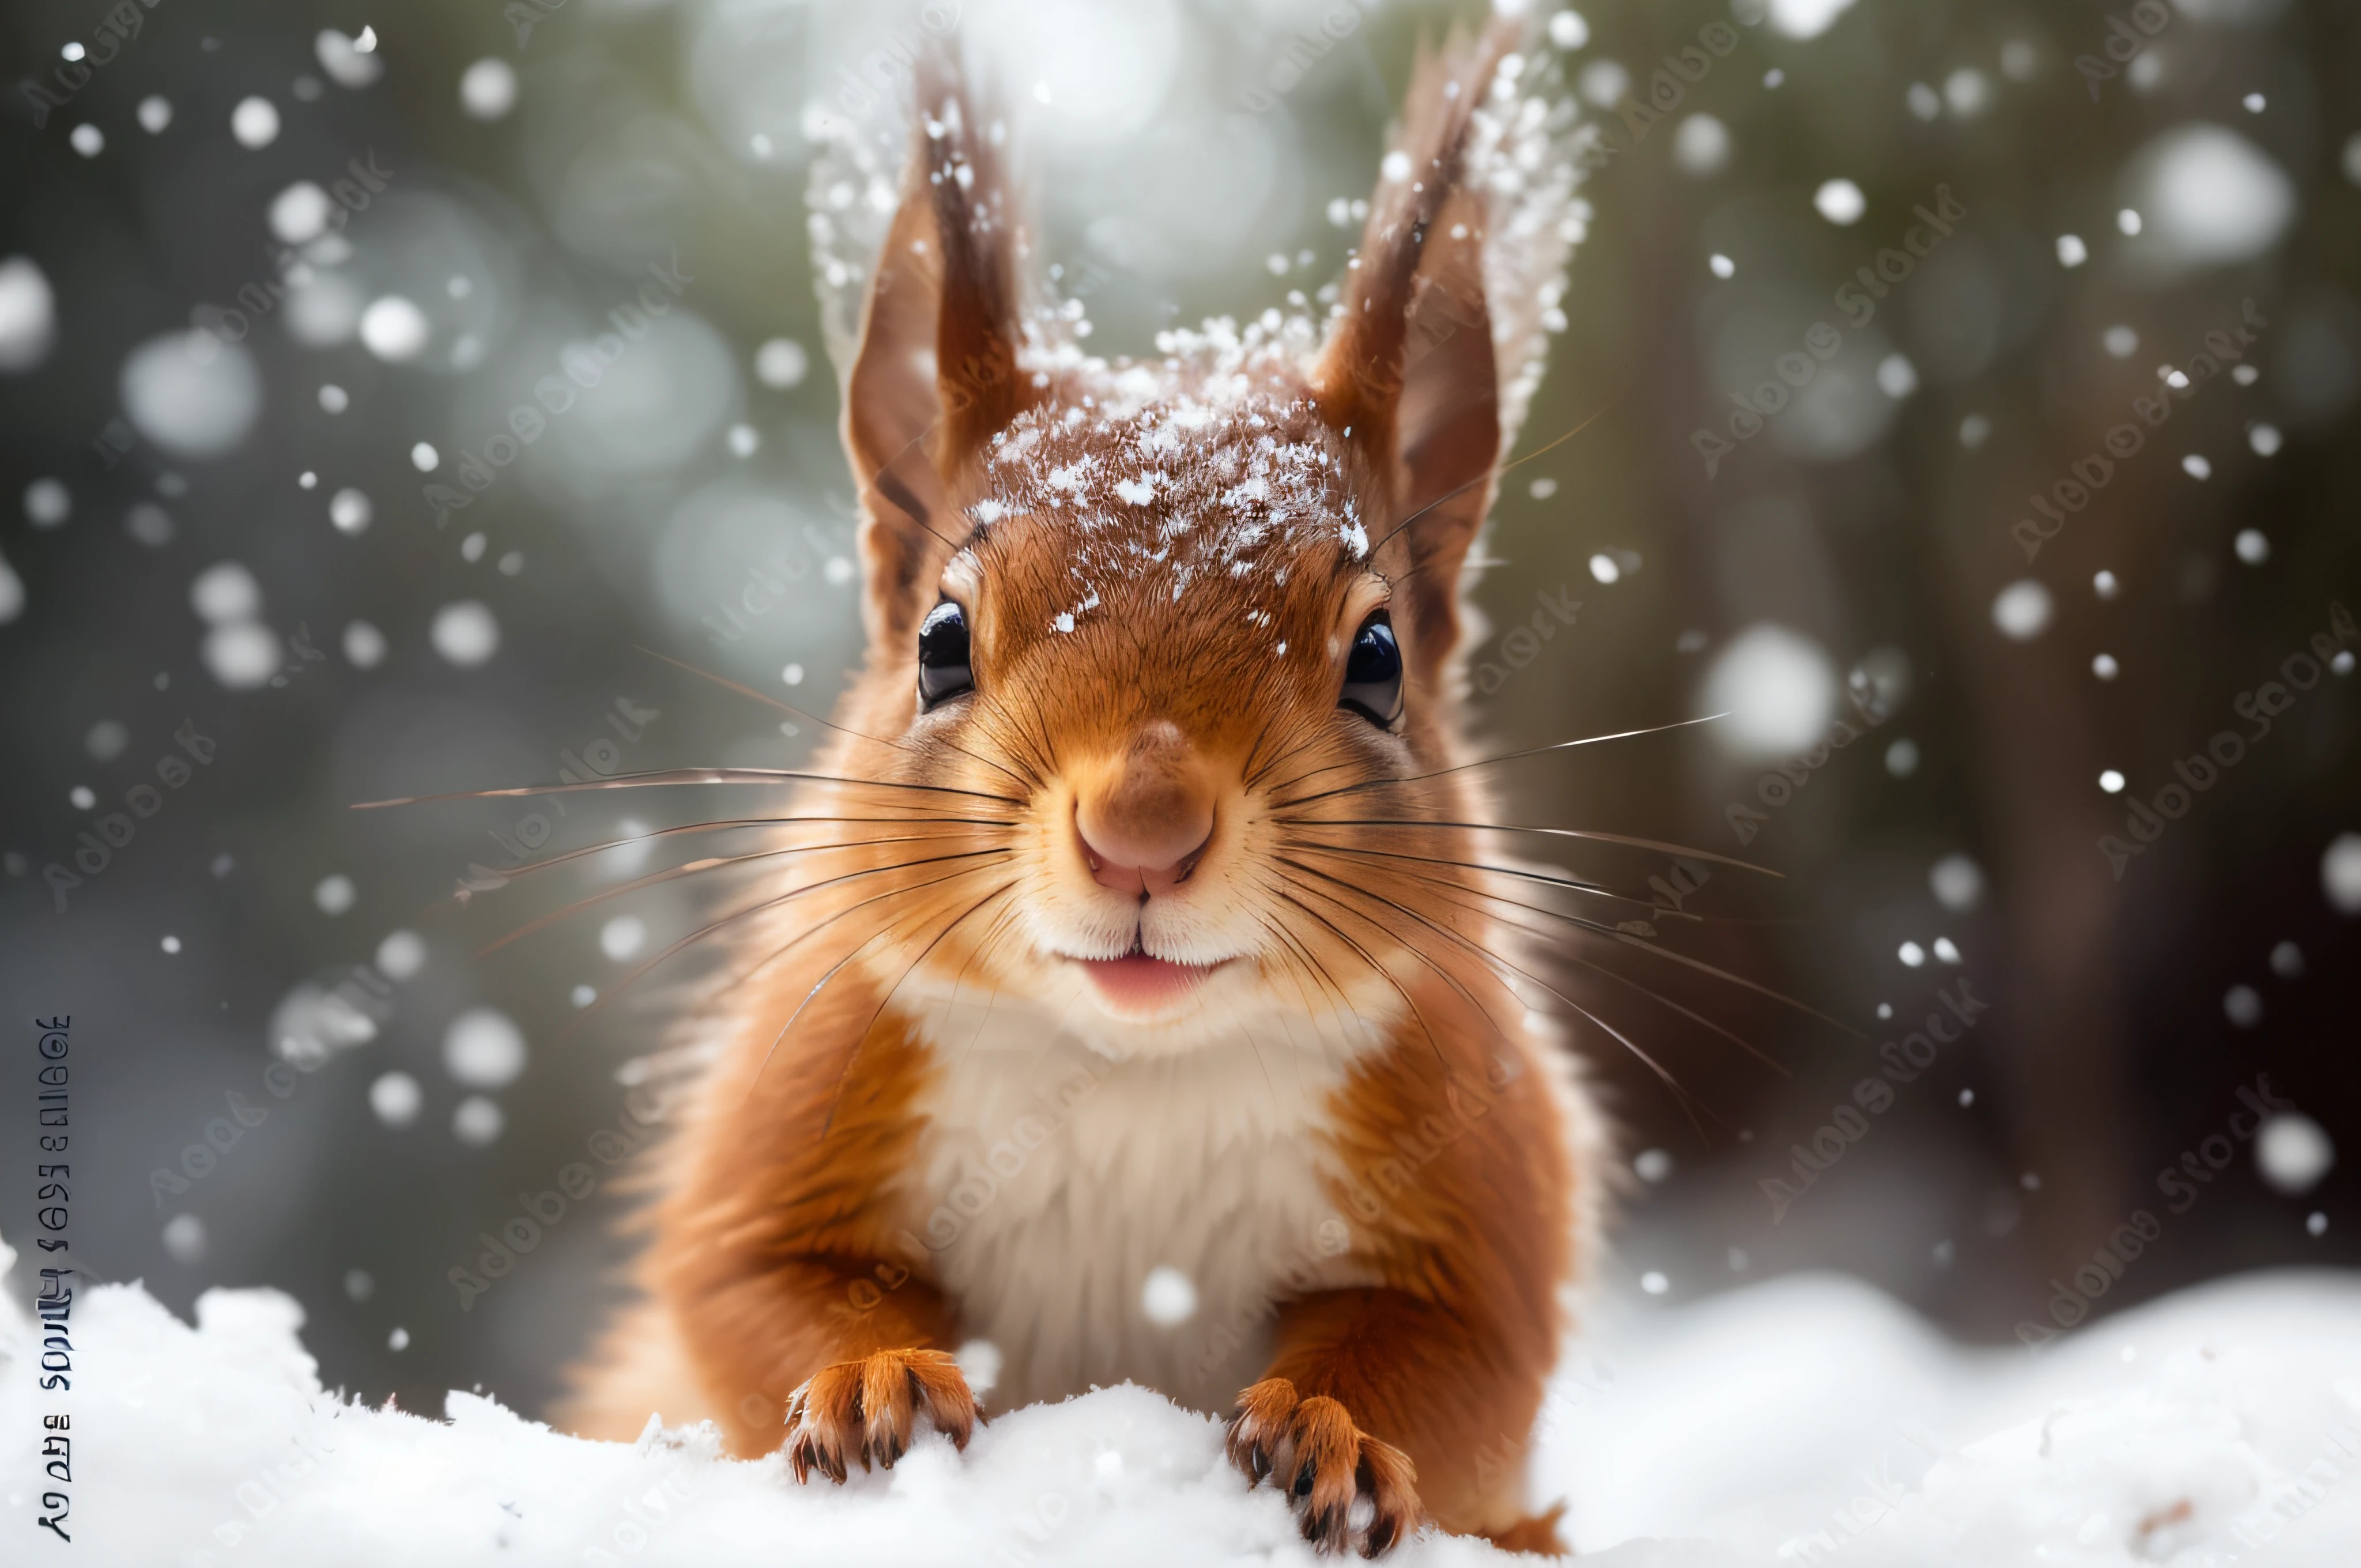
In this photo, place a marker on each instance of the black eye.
(1373, 674)
(943, 671)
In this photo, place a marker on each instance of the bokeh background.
(274, 277)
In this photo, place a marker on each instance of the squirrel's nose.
(1144, 823)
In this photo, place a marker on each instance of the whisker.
(1448, 978)
(683, 776)
(1592, 888)
(1309, 773)
(1511, 827)
(781, 951)
(1489, 958)
(1308, 961)
(1734, 980)
(1686, 1099)
(519, 872)
(861, 1040)
(1506, 757)
(1695, 1017)
(1595, 927)
(829, 723)
(981, 947)
(1359, 851)
(1435, 1042)
(887, 484)
(675, 873)
(1495, 472)
(1699, 1018)
(832, 970)
(700, 934)
(1248, 772)
(1344, 1004)
(762, 698)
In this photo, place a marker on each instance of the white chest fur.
(1052, 1180)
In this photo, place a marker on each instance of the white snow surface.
(1808, 1419)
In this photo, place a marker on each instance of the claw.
(1330, 1464)
(863, 1410)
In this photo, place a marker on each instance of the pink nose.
(1145, 822)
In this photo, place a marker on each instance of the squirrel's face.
(1161, 636)
(1159, 650)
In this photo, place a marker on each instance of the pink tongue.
(1137, 980)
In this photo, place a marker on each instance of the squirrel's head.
(1170, 639)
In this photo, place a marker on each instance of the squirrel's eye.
(1373, 674)
(943, 671)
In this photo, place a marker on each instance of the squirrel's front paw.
(862, 1409)
(1326, 1463)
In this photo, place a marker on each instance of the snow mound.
(1800, 1422)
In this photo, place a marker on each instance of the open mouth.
(1137, 983)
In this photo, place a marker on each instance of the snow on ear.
(1446, 320)
(931, 370)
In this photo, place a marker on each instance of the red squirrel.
(1138, 920)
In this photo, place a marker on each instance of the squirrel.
(1131, 999)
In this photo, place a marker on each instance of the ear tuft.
(1409, 263)
(978, 327)
(931, 371)
(1439, 345)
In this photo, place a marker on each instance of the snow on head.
(1217, 437)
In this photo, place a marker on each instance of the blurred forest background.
(274, 277)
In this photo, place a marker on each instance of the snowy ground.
(1809, 1419)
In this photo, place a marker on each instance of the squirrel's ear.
(935, 374)
(1410, 370)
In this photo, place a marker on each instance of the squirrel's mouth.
(1140, 984)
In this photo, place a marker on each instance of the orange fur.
(1160, 610)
